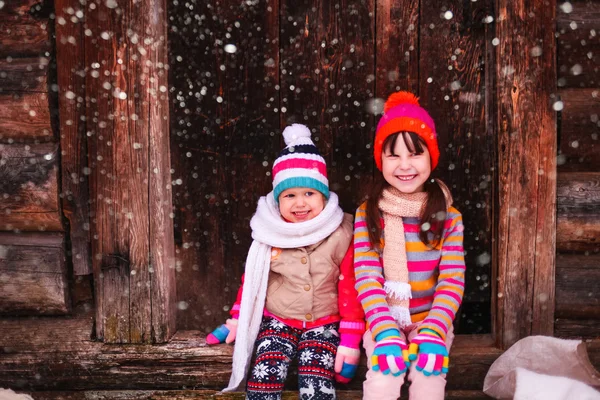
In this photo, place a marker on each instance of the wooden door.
(241, 71)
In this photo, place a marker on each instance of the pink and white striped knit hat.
(300, 164)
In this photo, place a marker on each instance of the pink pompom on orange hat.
(402, 112)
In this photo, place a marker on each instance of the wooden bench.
(55, 356)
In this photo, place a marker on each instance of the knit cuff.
(387, 334)
(434, 328)
(235, 311)
(352, 327)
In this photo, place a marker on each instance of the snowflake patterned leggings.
(277, 345)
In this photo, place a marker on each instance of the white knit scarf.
(394, 204)
(270, 230)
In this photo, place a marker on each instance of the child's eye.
(308, 194)
(289, 196)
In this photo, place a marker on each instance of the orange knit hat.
(402, 112)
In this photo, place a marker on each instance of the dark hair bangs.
(413, 142)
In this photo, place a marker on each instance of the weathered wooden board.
(225, 133)
(397, 43)
(327, 60)
(75, 362)
(578, 234)
(24, 74)
(28, 186)
(577, 286)
(25, 118)
(578, 212)
(580, 130)
(24, 28)
(130, 180)
(33, 274)
(212, 394)
(578, 44)
(453, 88)
(526, 124)
(577, 328)
(74, 166)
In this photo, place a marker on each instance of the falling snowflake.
(327, 360)
(306, 356)
(260, 371)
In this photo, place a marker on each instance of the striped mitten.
(390, 354)
(347, 357)
(430, 352)
(224, 333)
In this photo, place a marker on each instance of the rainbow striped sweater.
(437, 276)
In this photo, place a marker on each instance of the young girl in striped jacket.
(408, 258)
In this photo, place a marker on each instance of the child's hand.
(390, 355)
(347, 358)
(224, 333)
(431, 352)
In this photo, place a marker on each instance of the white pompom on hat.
(296, 134)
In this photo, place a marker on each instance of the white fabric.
(270, 230)
(558, 369)
(534, 386)
(398, 290)
(401, 315)
(8, 394)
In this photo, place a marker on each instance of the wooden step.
(54, 354)
(208, 394)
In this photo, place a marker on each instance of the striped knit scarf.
(270, 230)
(395, 205)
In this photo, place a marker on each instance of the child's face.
(300, 204)
(404, 170)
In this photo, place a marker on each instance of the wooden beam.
(127, 101)
(526, 88)
(76, 362)
(216, 395)
(577, 286)
(579, 130)
(29, 188)
(577, 328)
(25, 118)
(578, 212)
(71, 82)
(33, 274)
(24, 74)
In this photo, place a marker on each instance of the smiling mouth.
(300, 214)
(406, 177)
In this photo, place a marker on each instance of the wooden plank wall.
(223, 133)
(578, 185)
(526, 123)
(318, 63)
(126, 104)
(33, 273)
